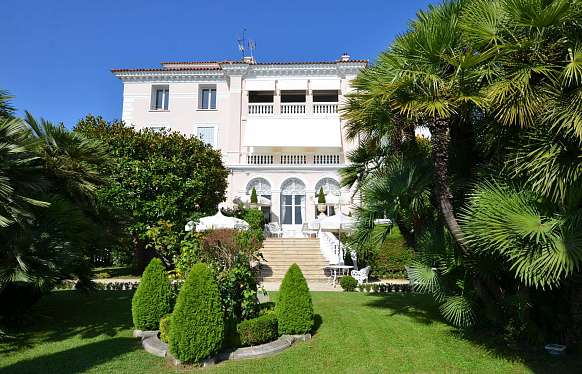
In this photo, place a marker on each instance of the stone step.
(279, 277)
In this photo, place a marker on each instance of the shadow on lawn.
(424, 310)
(75, 360)
(64, 314)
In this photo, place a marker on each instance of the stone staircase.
(280, 254)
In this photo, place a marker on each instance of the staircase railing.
(331, 248)
(334, 251)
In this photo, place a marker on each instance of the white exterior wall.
(231, 117)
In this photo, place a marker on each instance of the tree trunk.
(440, 155)
(139, 254)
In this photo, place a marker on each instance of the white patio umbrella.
(246, 200)
(218, 221)
(337, 223)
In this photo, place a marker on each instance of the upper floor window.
(207, 134)
(208, 98)
(160, 97)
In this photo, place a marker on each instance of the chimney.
(249, 60)
(345, 57)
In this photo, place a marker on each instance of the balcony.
(293, 159)
(293, 109)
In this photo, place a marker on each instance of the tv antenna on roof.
(244, 45)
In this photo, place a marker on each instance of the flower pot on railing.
(321, 208)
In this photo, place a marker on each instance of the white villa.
(276, 124)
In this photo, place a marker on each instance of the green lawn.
(71, 332)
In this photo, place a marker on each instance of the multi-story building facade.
(277, 125)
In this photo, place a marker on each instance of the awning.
(324, 84)
(260, 85)
(293, 132)
(292, 84)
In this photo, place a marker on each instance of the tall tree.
(156, 176)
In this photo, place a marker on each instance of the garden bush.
(255, 218)
(153, 298)
(258, 330)
(348, 283)
(294, 307)
(197, 321)
(165, 324)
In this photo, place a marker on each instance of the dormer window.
(207, 97)
(160, 97)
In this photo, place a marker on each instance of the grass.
(119, 272)
(70, 332)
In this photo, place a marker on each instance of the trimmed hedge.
(153, 298)
(294, 307)
(165, 328)
(197, 321)
(258, 330)
(348, 283)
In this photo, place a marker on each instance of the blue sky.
(57, 54)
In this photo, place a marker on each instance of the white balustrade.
(293, 159)
(323, 159)
(292, 108)
(325, 108)
(260, 109)
(259, 159)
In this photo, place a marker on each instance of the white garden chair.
(361, 275)
(273, 229)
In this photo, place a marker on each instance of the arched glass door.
(292, 203)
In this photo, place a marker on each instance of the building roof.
(217, 65)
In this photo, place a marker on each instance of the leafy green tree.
(156, 176)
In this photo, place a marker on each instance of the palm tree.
(70, 159)
(426, 78)
(19, 172)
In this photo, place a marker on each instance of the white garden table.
(338, 270)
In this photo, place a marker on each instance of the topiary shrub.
(165, 328)
(258, 330)
(321, 196)
(254, 198)
(294, 307)
(348, 283)
(197, 321)
(153, 298)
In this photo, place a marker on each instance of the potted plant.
(321, 201)
(254, 199)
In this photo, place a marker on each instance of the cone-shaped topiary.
(321, 196)
(294, 306)
(153, 298)
(197, 327)
(254, 198)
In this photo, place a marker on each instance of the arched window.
(330, 189)
(261, 185)
(293, 186)
(329, 185)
